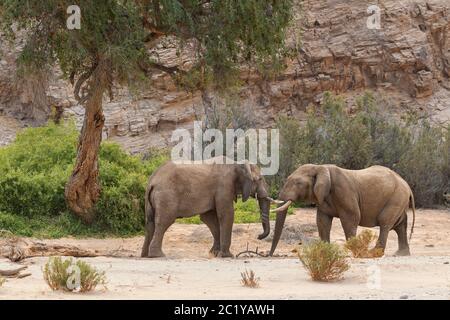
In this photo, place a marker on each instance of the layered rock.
(407, 61)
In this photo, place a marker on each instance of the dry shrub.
(359, 245)
(249, 279)
(324, 261)
(72, 276)
(2, 281)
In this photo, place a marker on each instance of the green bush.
(425, 164)
(324, 261)
(34, 171)
(67, 275)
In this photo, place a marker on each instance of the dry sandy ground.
(188, 273)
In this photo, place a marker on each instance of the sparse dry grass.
(249, 279)
(72, 276)
(324, 261)
(359, 245)
(2, 281)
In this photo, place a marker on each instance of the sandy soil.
(189, 273)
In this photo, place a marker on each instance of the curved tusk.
(274, 201)
(283, 207)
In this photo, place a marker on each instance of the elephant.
(183, 190)
(375, 196)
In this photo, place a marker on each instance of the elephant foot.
(225, 254)
(156, 253)
(144, 252)
(214, 251)
(403, 252)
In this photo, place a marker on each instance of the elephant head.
(310, 183)
(252, 183)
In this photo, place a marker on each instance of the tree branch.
(153, 65)
(81, 80)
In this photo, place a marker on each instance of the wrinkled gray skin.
(184, 190)
(376, 196)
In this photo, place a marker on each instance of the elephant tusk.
(283, 207)
(274, 201)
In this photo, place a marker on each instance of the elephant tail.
(413, 208)
(149, 211)
(149, 221)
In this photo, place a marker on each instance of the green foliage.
(62, 225)
(33, 173)
(228, 32)
(244, 212)
(425, 165)
(417, 150)
(62, 275)
(332, 136)
(324, 261)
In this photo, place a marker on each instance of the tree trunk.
(83, 188)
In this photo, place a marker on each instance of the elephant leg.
(349, 224)
(149, 231)
(350, 216)
(324, 223)
(401, 230)
(210, 219)
(161, 226)
(378, 251)
(387, 219)
(225, 215)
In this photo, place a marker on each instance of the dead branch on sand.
(250, 252)
(16, 249)
(15, 273)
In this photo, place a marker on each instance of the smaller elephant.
(184, 190)
(376, 196)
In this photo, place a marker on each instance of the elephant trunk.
(264, 206)
(279, 223)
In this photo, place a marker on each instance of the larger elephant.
(184, 190)
(376, 196)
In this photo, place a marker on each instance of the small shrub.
(324, 261)
(72, 276)
(249, 279)
(359, 245)
(2, 281)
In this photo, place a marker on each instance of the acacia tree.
(112, 47)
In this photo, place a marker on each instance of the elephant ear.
(246, 180)
(322, 184)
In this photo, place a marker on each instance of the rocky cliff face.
(407, 61)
